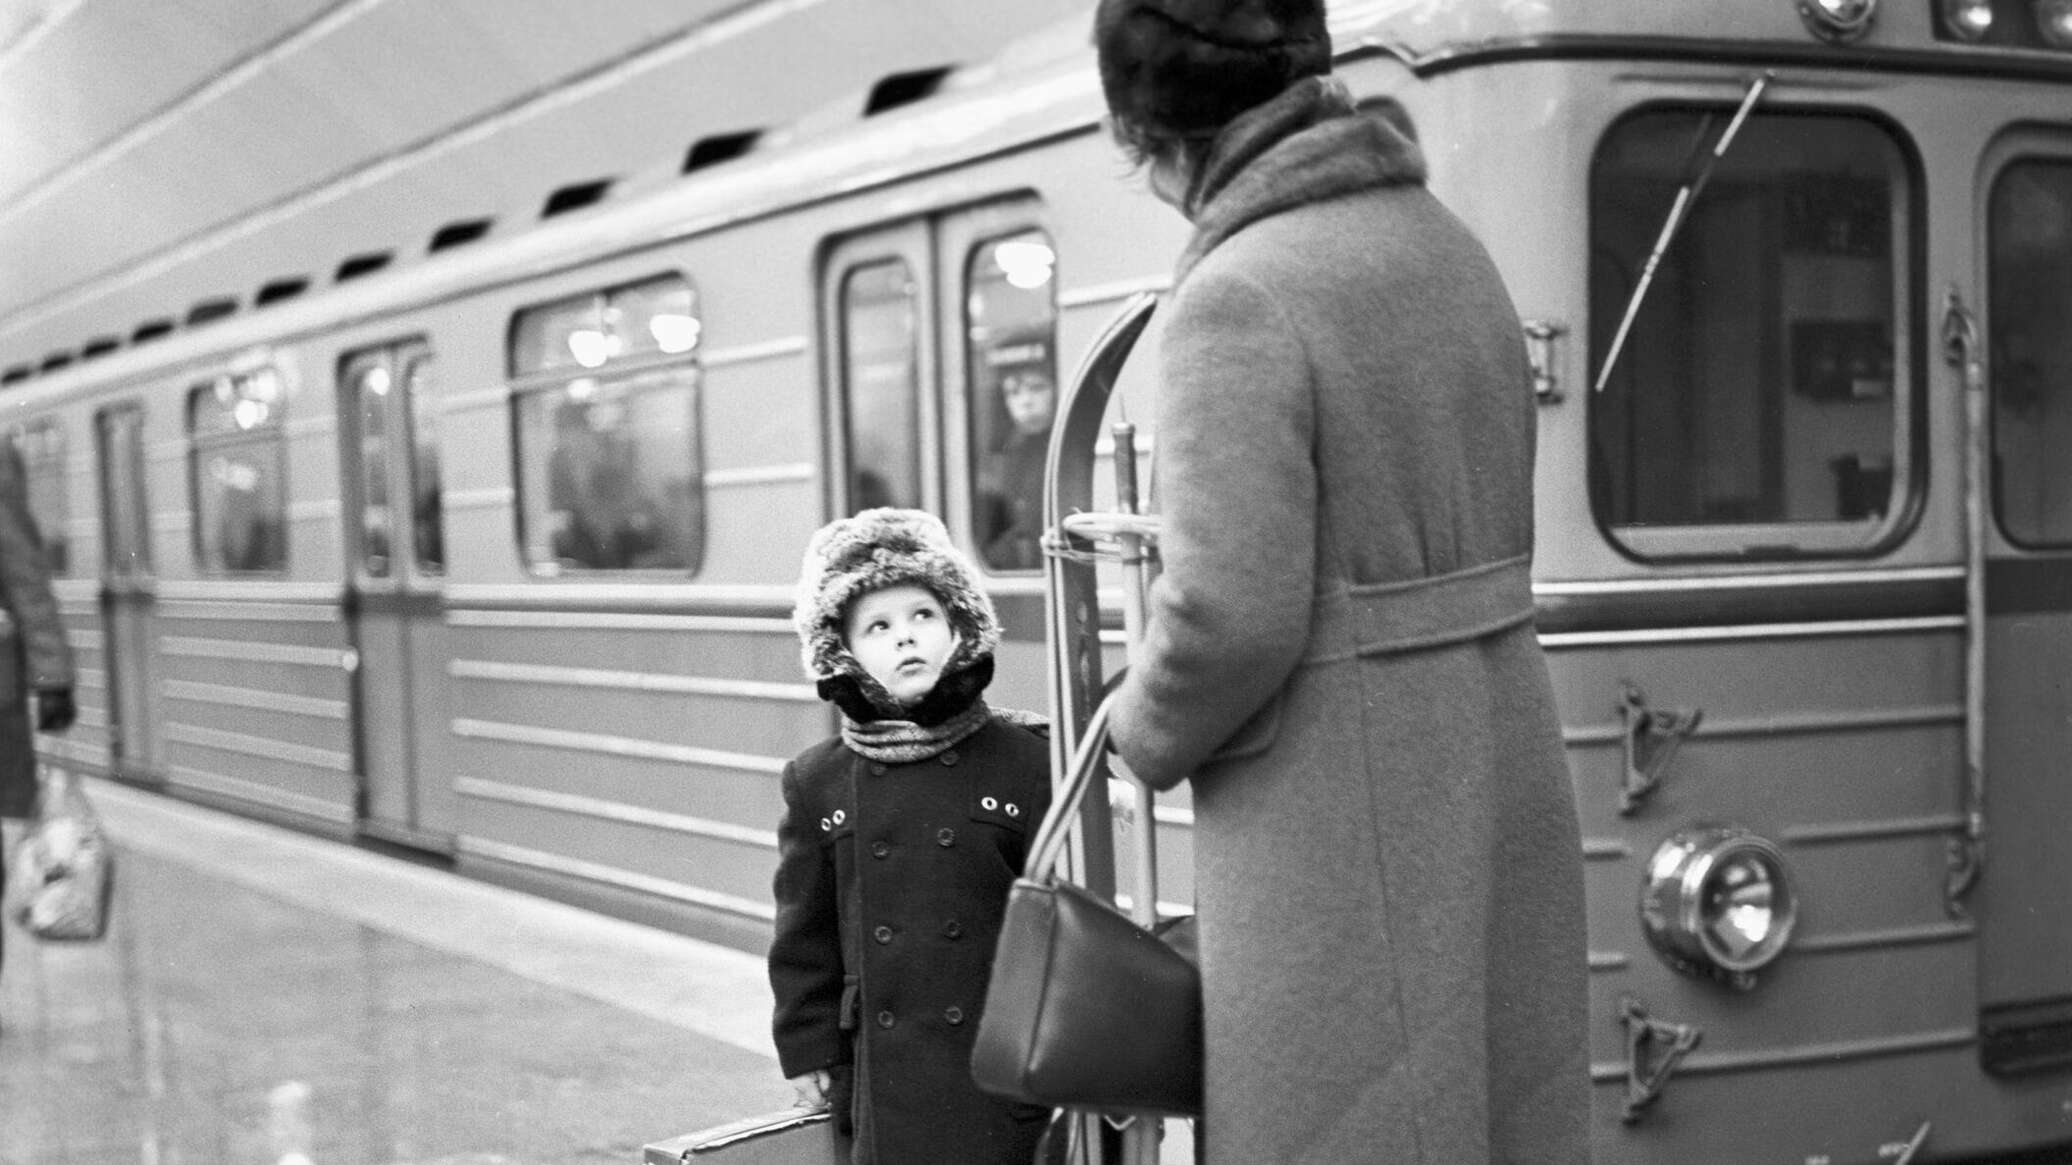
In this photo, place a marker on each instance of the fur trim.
(877, 549)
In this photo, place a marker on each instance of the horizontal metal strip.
(289, 653)
(1871, 830)
(1609, 960)
(87, 716)
(86, 638)
(467, 402)
(326, 611)
(1557, 641)
(614, 876)
(313, 425)
(1786, 724)
(89, 678)
(586, 677)
(1897, 936)
(1093, 295)
(487, 790)
(242, 790)
(619, 621)
(597, 742)
(234, 590)
(1605, 849)
(752, 353)
(1825, 1055)
(489, 498)
(171, 521)
(319, 510)
(760, 475)
(1672, 603)
(262, 747)
(78, 752)
(226, 695)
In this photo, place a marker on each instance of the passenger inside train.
(1010, 516)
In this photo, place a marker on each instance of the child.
(899, 841)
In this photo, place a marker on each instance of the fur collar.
(1306, 145)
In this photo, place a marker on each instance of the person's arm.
(1237, 488)
(806, 950)
(25, 594)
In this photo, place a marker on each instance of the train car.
(491, 555)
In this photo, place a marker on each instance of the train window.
(42, 446)
(427, 504)
(370, 385)
(238, 474)
(611, 472)
(881, 382)
(1757, 406)
(1010, 331)
(2029, 341)
(393, 456)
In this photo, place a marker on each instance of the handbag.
(1086, 1009)
(62, 877)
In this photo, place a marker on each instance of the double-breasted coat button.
(952, 929)
(879, 849)
(988, 804)
(885, 1019)
(877, 768)
(949, 756)
(883, 934)
(826, 825)
(954, 1014)
(946, 837)
(1013, 810)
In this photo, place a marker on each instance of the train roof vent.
(100, 346)
(712, 149)
(280, 289)
(55, 361)
(211, 309)
(899, 89)
(151, 330)
(455, 234)
(16, 374)
(363, 264)
(575, 196)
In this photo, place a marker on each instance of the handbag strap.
(1049, 842)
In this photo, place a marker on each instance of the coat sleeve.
(25, 582)
(806, 951)
(1228, 618)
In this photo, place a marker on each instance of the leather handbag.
(1086, 1009)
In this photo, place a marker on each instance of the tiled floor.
(268, 997)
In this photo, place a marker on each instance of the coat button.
(952, 929)
(877, 768)
(879, 849)
(949, 756)
(946, 837)
(954, 1014)
(883, 934)
(885, 1019)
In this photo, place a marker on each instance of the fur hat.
(1185, 68)
(882, 548)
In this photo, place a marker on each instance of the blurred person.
(1340, 653)
(1012, 502)
(900, 838)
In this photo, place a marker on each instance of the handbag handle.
(1049, 842)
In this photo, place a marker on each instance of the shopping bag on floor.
(62, 877)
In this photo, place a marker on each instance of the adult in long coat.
(1340, 652)
(35, 660)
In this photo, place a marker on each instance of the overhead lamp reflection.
(590, 347)
(1026, 263)
(674, 332)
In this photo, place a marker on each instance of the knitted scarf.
(875, 726)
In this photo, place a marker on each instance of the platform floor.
(265, 996)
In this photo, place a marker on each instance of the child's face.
(902, 638)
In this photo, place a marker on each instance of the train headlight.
(1968, 20)
(2054, 22)
(1718, 901)
(1838, 21)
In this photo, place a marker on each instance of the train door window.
(427, 501)
(126, 543)
(2029, 342)
(369, 382)
(606, 410)
(41, 444)
(238, 474)
(1761, 401)
(394, 458)
(880, 313)
(1011, 376)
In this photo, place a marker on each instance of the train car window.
(427, 501)
(881, 384)
(2029, 345)
(1759, 406)
(1010, 351)
(611, 471)
(42, 446)
(126, 544)
(370, 385)
(238, 474)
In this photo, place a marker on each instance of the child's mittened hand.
(811, 1088)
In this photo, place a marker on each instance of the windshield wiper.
(1686, 197)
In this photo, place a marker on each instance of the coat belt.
(1387, 618)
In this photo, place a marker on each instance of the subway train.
(489, 556)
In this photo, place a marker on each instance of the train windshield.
(1758, 405)
(2029, 341)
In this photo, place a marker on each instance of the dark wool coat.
(891, 883)
(33, 651)
(1388, 863)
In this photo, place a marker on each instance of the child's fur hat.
(1181, 69)
(882, 548)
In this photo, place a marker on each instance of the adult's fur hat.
(882, 548)
(1185, 68)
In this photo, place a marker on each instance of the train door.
(395, 602)
(126, 592)
(877, 304)
(2024, 338)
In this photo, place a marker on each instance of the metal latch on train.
(1654, 1048)
(1651, 737)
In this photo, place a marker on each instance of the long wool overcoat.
(33, 651)
(891, 883)
(1340, 655)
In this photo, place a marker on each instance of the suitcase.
(793, 1136)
